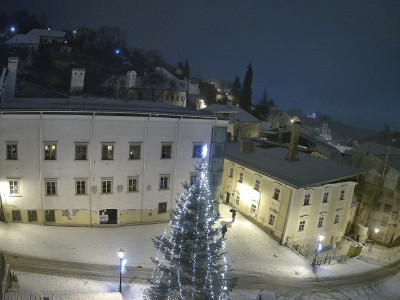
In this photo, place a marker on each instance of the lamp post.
(319, 248)
(121, 254)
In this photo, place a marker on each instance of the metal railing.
(313, 257)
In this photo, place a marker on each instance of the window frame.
(302, 225)
(162, 186)
(106, 155)
(32, 213)
(307, 199)
(9, 152)
(77, 181)
(240, 179)
(325, 197)
(253, 211)
(50, 154)
(197, 150)
(134, 155)
(136, 185)
(277, 193)
(257, 187)
(336, 220)
(16, 215)
(18, 185)
(164, 206)
(166, 154)
(106, 191)
(341, 197)
(320, 222)
(50, 213)
(272, 218)
(85, 145)
(49, 182)
(230, 173)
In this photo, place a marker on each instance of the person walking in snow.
(224, 230)
(233, 211)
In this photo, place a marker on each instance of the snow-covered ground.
(249, 251)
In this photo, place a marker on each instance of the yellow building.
(300, 199)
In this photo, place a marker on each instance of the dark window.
(231, 173)
(51, 187)
(32, 216)
(240, 177)
(12, 151)
(107, 152)
(307, 199)
(164, 182)
(325, 199)
(271, 219)
(320, 221)
(341, 195)
(16, 216)
(80, 152)
(49, 215)
(276, 194)
(257, 185)
(166, 151)
(106, 186)
(197, 151)
(132, 184)
(336, 219)
(80, 187)
(301, 226)
(134, 151)
(162, 207)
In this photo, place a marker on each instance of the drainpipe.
(90, 170)
(146, 137)
(40, 167)
(175, 156)
(283, 239)
(2, 216)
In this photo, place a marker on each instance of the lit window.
(325, 199)
(51, 187)
(231, 173)
(336, 219)
(164, 182)
(237, 200)
(166, 151)
(16, 215)
(320, 221)
(301, 226)
(271, 219)
(50, 151)
(162, 207)
(106, 186)
(134, 151)
(197, 151)
(107, 151)
(240, 177)
(12, 153)
(14, 187)
(80, 187)
(193, 178)
(132, 184)
(276, 194)
(307, 199)
(257, 185)
(80, 152)
(253, 209)
(341, 195)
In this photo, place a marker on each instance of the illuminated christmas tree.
(191, 262)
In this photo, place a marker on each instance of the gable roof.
(307, 171)
(24, 39)
(235, 113)
(45, 32)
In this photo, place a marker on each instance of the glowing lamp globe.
(121, 253)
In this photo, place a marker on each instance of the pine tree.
(245, 99)
(190, 261)
(236, 90)
(186, 69)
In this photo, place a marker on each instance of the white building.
(34, 38)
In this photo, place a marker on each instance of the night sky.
(341, 58)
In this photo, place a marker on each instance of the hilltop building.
(31, 41)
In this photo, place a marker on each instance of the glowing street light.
(121, 254)
(12, 29)
(116, 51)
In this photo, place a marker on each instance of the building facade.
(94, 167)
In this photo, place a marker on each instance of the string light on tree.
(191, 258)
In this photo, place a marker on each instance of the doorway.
(228, 195)
(108, 216)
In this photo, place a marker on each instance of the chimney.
(247, 147)
(294, 141)
(77, 81)
(130, 80)
(11, 79)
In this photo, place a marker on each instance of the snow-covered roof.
(24, 39)
(235, 113)
(45, 32)
(308, 171)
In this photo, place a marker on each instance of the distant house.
(299, 199)
(241, 123)
(324, 131)
(31, 41)
(379, 190)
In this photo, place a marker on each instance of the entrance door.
(108, 216)
(228, 195)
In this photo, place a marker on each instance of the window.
(271, 219)
(107, 151)
(231, 173)
(16, 216)
(14, 187)
(336, 219)
(164, 182)
(106, 186)
(307, 199)
(12, 153)
(320, 221)
(302, 225)
(387, 208)
(341, 195)
(218, 151)
(134, 151)
(276, 194)
(50, 151)
(253, 209)
(240, 177)
(80, 187)
(49, 215)
(166, 151)
(162, 207)
(132, 184)
(51, 187)
(193, 178)
(197, 151)
(32, 216)
(237, 200)
(325, 198)
(80, 152)
(257, 185)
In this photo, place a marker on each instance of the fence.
(313, 257)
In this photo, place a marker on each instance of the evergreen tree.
(236, 89)
(245, 99)
(193, 264)
(186, 69)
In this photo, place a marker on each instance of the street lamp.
(121, 254)
(319, 248)
(373, 239)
